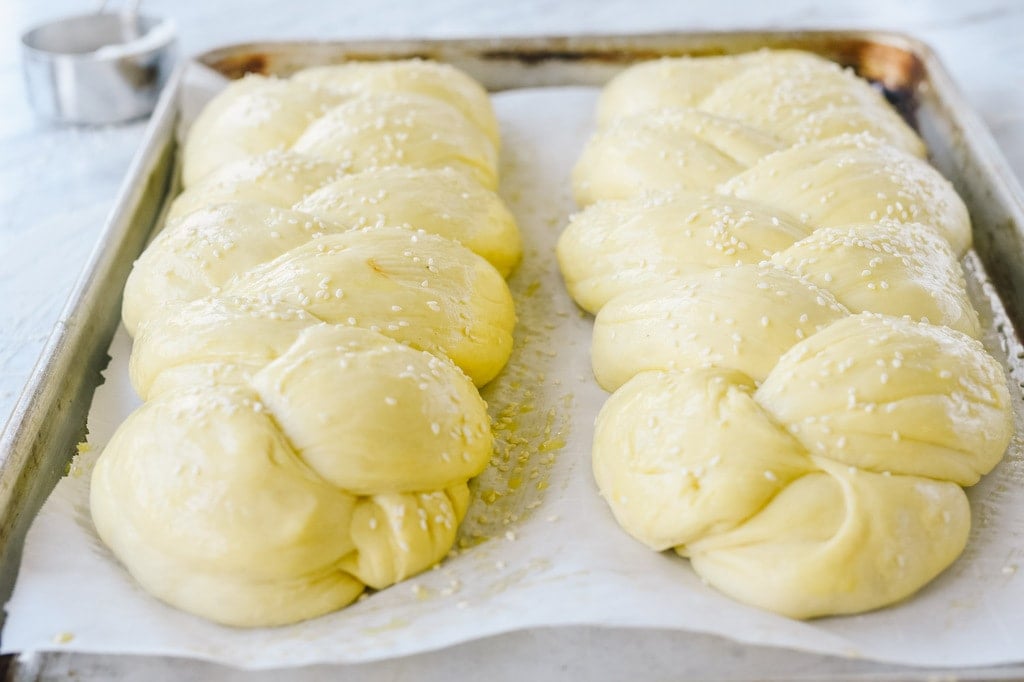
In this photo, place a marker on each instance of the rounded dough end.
(210, 509)
(839, 542)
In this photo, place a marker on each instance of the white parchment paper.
(539, 546)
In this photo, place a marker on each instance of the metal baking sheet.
(50, 416)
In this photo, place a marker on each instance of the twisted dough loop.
(439, 201)
(798, 398)
(791, 95)
(257, 114)
(308, 330)
(747, 316)
(417, 288)
(830, 183)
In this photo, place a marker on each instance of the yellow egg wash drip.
(530, 421)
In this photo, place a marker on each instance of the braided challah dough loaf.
(799, 393)
(310, 328)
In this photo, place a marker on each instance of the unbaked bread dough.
(251, 116)
(199, 253)
(674, 149)
(275, 178)
(612, 247)
(751, 314)
(886, 266)
(744, 317)
(377, 130)
(356, 127)
(416, 76)
(441, 201)
(799, 395)
(854, 179)
(831, 183)
(832, 486)
(275, 499)
(419, 289)
(796, 96)
(309, 329)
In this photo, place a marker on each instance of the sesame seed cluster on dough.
(799, 395)
(310, 329)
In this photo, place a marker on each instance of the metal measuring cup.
(97, 68)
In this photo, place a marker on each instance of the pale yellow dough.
(891, 268)
(198, 252)
(743, 317)
(274, 499)
(746, 317)
(612, 247)
(832, 485)
(799, 393)
(275, 178)
(414, 287)
(831, 183)
(310, 327)
(795, 96)
(376, 130)
(251, 116)
(618, 247)
(675, 149)
(439, 201)
(257, 114)
(416, 76)
(854, 179)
